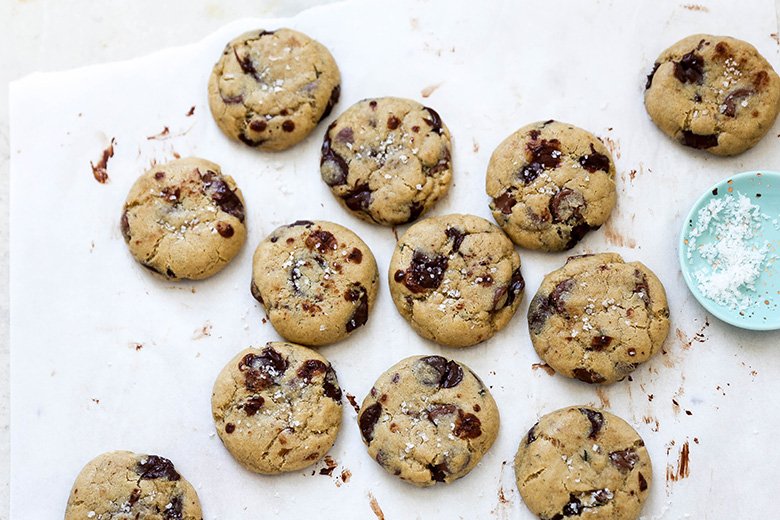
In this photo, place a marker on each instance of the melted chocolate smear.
(624, 460)
(700, 142)
(322, 241)
(588, 376)
(423, 273)
(567, 205)
(368, 420)
(330, 385)
(134, 496)
(641, 288)
(516, 286)
(328, 155)
(223, 196)
(690, 69)
(650, 76)
(599, 343)
(246, 65)
(233, 100)
(574, 507)
(262, 371)
(124, 225)
(596, 421)
(578, 232)
(531, 435)
(335, 94)
(457, 237)
(249, 142)
(175, 511)
(731, 100)
(544, 154)
(543, 307)
(253, 405)
(439, 411)
(360, 316)
(505, 202)
(434, 121)
(304, 223)
(311, 368)
(415, 210)
(467, 426)
(346, 135)
(595, 161)
(359, 198)
(438, 471)
(153, 467)
(99, 170)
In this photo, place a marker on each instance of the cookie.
(316, 280)
(428, 419)
(122, 484)
(456, 278)
(597, 318)
(277, 408)
(581, 462)
(387, 160)
(550, 183)
(184, 219)
(713, 93)
(269, 89)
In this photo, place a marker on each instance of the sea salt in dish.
(729, 250)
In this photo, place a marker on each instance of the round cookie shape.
(597, 318)
(582, 462)
(122, 484)
(277, 408)
(387, 160)
(184, 219)
(428, 419)
(550, 183)
(456, 279)
(316, 280)
(713, 93)
(269, 89)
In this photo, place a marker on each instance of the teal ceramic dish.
(741, 241)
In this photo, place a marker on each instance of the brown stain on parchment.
(375, 506)
(615, 238)
(603, 399)
(544, 366)
(696, 7)
(613, 146)
(427, 91)
(99, 171)
(682, 468)
(353, 402)
(330, 465)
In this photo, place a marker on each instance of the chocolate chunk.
(567, 205)
(729, 104)
(258, 125)
(332, 100)
(595, 161)
(516, 286)
(625, 459)
(338, 169)
(250, 142)
(174, 512)
(457, 237)
(330, 385)
(255, 291)
(438, 411)
(573, 507)
(224, 229)
(346, 135)
(262, 371)
(596, 419)
(171, 193)
(304, 223)
(434, 121)
(578, 232)
(690, 69)
(700, 142)
(760, 80)
(415, 210)
(153, 467)
(223, 196)
(359, 198)
(253, 405)
(310, 368)
(557, 295)
(438, 371)
(443, 163)
(642, 482)
(467, 426)
(531, 435)
(393, 122)
(588, 376)
(599, 343)
(438, 472)
(124, 226)
(360, 316)
(355, 256)
(641, 288)
(246, 64)
(230, 428)
(650, 76)
(423, 273)
(232, 100)
(368, 420)
(544, 154)
(288, 125)
(322, 241)
(372, 104)
(505, 202)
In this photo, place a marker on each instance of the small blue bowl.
(763, 190)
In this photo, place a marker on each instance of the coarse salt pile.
(735, 261)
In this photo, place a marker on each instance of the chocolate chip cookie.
(277, 408)
(550, 183)
(316, 280)
(122, 484)
(428, 419)
(387, 160)
(713, 93)
(582, 462)
(456, 278)
(184, 219)
(597, 318)
(269, 89)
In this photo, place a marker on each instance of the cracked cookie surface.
(456, 279)
(184, 219)
(713, 93)
(387, 160)
(269, 89)
(122, 485)
(597, 318)
(582, 462)
(550, 183)
(316, 280)
(277, 408)
(428, 419)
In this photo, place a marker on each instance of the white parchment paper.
(106, 357)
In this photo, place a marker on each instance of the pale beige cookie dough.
(122, 485)
(713, 93)
(597, 318)
(428, 419)
(581, 462)
(316, 280)
(184, 219)
(550, 183)
(277, 408)
(269, 89)
(456, 278)
(387, 160)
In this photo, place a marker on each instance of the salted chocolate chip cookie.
(550, 183)
(316, 280)
(277, 408)
(269, 89)
(428, 419)
(597, 318)
(713, 93)
(387, 160)
(124, 485)
(184, 219)
(581, 462)
(456, 278)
